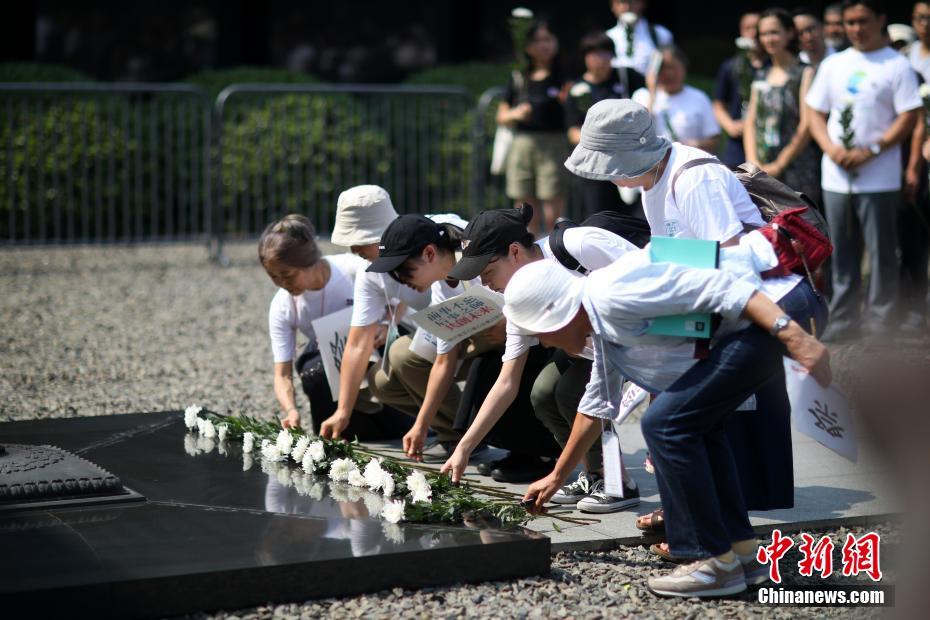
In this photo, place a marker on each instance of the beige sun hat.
(363, 213)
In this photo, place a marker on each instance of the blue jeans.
(684, 430)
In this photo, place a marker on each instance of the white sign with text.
(462, 316)
(823, 414)
(332, 332)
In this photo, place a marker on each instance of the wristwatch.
(780, 324)
(875, 149)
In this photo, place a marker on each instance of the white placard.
(462, 316)
(613, 460)
(332, 332)
(633, 396)
(423, 344)
(823, 414)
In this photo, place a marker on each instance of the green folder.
(693, 253)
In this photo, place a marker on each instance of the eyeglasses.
(922, 18)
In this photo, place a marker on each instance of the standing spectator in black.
(919, 51)
(733, 87)
(810, 37)
(776, 137)
(864, 103)
(532, 105)
(600, 81)
(833, 30)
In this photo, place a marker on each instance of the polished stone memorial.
(211, 530)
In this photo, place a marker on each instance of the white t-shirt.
(687, 115)
(642, 44)
(828, 50)
(709, 203)
(919, 62)
(289, 314)
(880, 86)
(374, 291)
(593, 248)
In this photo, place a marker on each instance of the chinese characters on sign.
(823, 414)
(462, 316)
(859, 555)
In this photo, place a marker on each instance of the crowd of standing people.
(840, 125)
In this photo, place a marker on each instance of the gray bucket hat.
(618, 141)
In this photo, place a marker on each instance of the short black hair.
(596, 42)
(871, 5)
(806, 10)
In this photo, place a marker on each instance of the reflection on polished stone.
(218, 531)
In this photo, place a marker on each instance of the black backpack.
(633, 229)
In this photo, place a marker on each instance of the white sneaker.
(703, 578)
(573, 492)
(600, 502)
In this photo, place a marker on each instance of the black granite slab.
(217, 532)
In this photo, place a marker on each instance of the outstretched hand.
(456, 464)
(541, 492)
(334, 426)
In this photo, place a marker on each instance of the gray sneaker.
(704, 578)
(600, 502)
(574, 491)
(756, 574)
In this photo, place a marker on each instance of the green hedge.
(39, 72)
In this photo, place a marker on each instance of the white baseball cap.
(542, 297)
(363, 213)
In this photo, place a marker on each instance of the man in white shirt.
(635, 37)
(810, 38)
(864, 98)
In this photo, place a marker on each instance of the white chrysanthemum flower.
(924, 90)
(393, 533)
(300, 446)
(393, 512)
(190, 444)
(521, 12)
(285, 441)
(221, 448)
(221, 431)
(340, 468)
(419, 487)
(746, 44)
(580, 89)
(374, 475)
(200, 422)
(356, 493)
(248, 442)
(205, 444)
(387, 484)
(247, 461)
(356, 478)
(271, 453)
(190, 415)
(307, 463)
(629, 18)
(849, 101)
(208, 430)
(317, 451)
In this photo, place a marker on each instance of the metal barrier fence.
(104, 163)
(294, 148)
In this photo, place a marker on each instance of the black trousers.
(914, 240)
(518, 430)
(385, 424)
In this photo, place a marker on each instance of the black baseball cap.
(404, 237)
(488, 234)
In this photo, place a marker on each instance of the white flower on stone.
(200, 422)
(307, 463)
(190, 444)
(221, 431)
(271, 453)
(190, 415)
(521, 12)
(746, 44)
(356, 478)
(317, 451)
(387, 484)
(393, 512)
(419, 487)
(393, 533)
(580, 89)
(205, 444)
(340, 468)
(629, 18)
(248, 442)
(374, 475)
(285, 441)
(208, 430)
(924, 91)
(373, 503)
(247, 461)
(300, 446)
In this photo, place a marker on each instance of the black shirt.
(543, 96)
(578, 101)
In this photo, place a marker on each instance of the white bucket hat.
(542, 297)
(618, 141)
(362, 214)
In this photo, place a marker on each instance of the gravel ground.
(100, 331)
